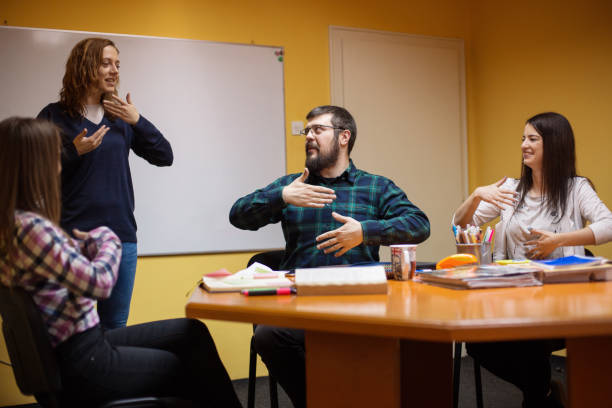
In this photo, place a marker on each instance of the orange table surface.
(422, 312)
(384, 350)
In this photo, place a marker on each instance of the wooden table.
(393, 350)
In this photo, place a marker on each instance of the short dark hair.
(558, 161)
(341, 118)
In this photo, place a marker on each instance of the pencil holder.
(482, 251)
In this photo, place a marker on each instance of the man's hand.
(87, 144)
(342, 239)
(122, 109)
(300, 194)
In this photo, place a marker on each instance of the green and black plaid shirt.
(386, 215)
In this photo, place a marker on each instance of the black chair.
(477, 373)
(457, 377)
(33, 358)
(272, 259)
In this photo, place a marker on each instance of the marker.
(268, 292)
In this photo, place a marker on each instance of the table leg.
(427, 374)
(589, 361)
(352, 371)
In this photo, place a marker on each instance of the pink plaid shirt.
(63, 275)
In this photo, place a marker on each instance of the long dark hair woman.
(65, 278)
(98, 131)
(542, 215)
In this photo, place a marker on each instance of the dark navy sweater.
(97, 186)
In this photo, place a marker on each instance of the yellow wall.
(529, 57)
(299, 26)
(520, 58)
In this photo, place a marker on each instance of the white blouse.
(511, 232)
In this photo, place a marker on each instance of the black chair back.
(33, 358)
(29, 347)
(271, 259)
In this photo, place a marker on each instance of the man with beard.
(331, 214)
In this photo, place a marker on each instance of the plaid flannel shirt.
(386, 215)
(63, 275)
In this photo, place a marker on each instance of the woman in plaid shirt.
(65, 277)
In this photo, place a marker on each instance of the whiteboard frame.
(269, 237)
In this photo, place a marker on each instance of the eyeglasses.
(317, 129)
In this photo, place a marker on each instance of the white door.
(407, 94)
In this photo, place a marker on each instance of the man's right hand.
(87, 144)
(300, 194)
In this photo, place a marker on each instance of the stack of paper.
(483, 276)
(574, 269)
(570, 261)
(341, 280)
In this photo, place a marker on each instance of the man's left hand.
(341, 239)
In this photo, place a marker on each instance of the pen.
(267, 292)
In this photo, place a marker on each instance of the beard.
(322, 160)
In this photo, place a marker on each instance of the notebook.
(349, 280)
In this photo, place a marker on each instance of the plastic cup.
(482, 251)
(403, 261)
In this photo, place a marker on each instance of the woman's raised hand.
(87, 144)
(494, 194)
(122, 109)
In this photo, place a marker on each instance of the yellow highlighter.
(512, 261)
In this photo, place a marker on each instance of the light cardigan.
(583, 204)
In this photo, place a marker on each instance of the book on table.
(254, 277)
(338, 280)
(574, 268)
(521, 273)
(570, 261)
(482, 276)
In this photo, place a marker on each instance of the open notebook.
(255, 276)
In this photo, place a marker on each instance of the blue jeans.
(114, 311)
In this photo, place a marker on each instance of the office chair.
(477, 373)
(273, 260)
(457, 377)
(33, 359)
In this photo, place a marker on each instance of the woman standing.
(65, 277)
(542, 215)
(98, 130)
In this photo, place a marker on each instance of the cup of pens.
(471, 240)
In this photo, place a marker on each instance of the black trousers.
(525, 364)
(170, 358)
(282, 351)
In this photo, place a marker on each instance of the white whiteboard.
(220, 105)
